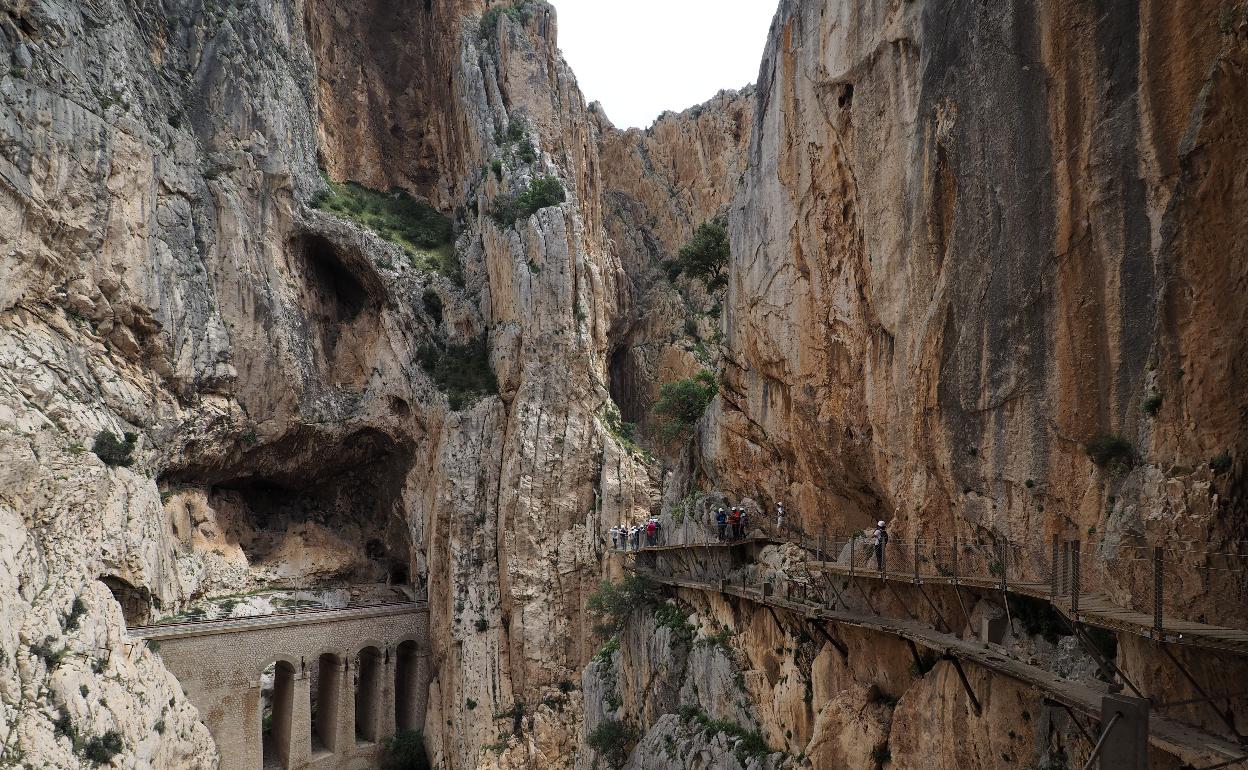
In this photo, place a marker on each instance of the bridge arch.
(369, 664)
(326, 701)
(277, 713)
(406, 684)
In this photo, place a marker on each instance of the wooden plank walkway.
(1190, 745)
(1094, 609)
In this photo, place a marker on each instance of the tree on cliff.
(681, 403)
(704, 257)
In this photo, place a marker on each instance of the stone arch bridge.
(341, 682)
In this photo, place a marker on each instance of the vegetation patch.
(1113, 453)
(519, 11)
(542, 192)
(613, 603)
(102, 748)
(405, 750)
(705, 257)
(750, 744)
(681, 403)
(113, 450)
(612, 739)
(1221, 463)
(423, 233)
(671, 617)
(1151, 404)
(462, 372)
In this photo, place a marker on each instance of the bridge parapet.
(344, 680)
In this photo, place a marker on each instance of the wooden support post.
(1157, 596)
(966, 685)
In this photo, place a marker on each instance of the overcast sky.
(641, 57)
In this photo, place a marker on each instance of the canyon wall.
(971, 239)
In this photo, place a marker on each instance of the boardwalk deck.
(1191, 746)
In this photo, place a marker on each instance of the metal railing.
(1166, 585)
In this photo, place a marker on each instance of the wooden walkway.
(1094, 609)
(1192, 746)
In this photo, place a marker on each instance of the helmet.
(879, 524)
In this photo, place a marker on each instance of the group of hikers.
(624, 537)
(730, 525)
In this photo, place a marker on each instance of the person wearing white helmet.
(879, 539)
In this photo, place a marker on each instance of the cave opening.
(136, 605)
(622, 383)
(309, 511)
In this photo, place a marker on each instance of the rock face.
(955, 267)
(926, 203)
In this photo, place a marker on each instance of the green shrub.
(114, 451)
(612, 738)
(681, 403)
(43, 650)
(672, 617)
(102, 748)
(520, 11)
(462, 372)
(610, 648)
(612, 603)
(749, 743)
(470, 704)
(1111, 452)
(405, 750)
(424, 233)
(76, 611)
(705, 257)
(1151, 404)
(541, 193)
(516, 715)
(1221, 463)
(497, 167)
(482, 625)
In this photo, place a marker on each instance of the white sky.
(641, 57)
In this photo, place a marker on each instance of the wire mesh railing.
(1162, 588)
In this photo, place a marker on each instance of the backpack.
(651, 527)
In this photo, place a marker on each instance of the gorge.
(314, 306)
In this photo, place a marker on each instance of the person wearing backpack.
(779, 520)
(651, 528)
(721, 524)
(879, 539)
(734, 522)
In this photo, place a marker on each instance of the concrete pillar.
(385, 695)
(346, 707)
(300, 741)
(247, 749)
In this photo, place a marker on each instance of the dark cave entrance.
(317, 511)
(622, 382)
(136, 604)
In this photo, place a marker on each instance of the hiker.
(879, 539)
(721, 524)
(636, 536)
(614, 539)
(734, 522)
(779, 519)
(652, 527)
(745, 522)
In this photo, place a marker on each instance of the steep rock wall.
(970, 239)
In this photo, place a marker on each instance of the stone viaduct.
(339, 682)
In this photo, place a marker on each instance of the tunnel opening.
(277, 697)
(367, 694)
(406, 687)
(398, 575)
(307, 510)
(136, 605)
(326, 694)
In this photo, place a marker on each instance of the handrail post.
(853, 547)
(954, 560)
(1001, 550)
(1053, 570)
(1157, 587)
(1074, 579)
(916, 559)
